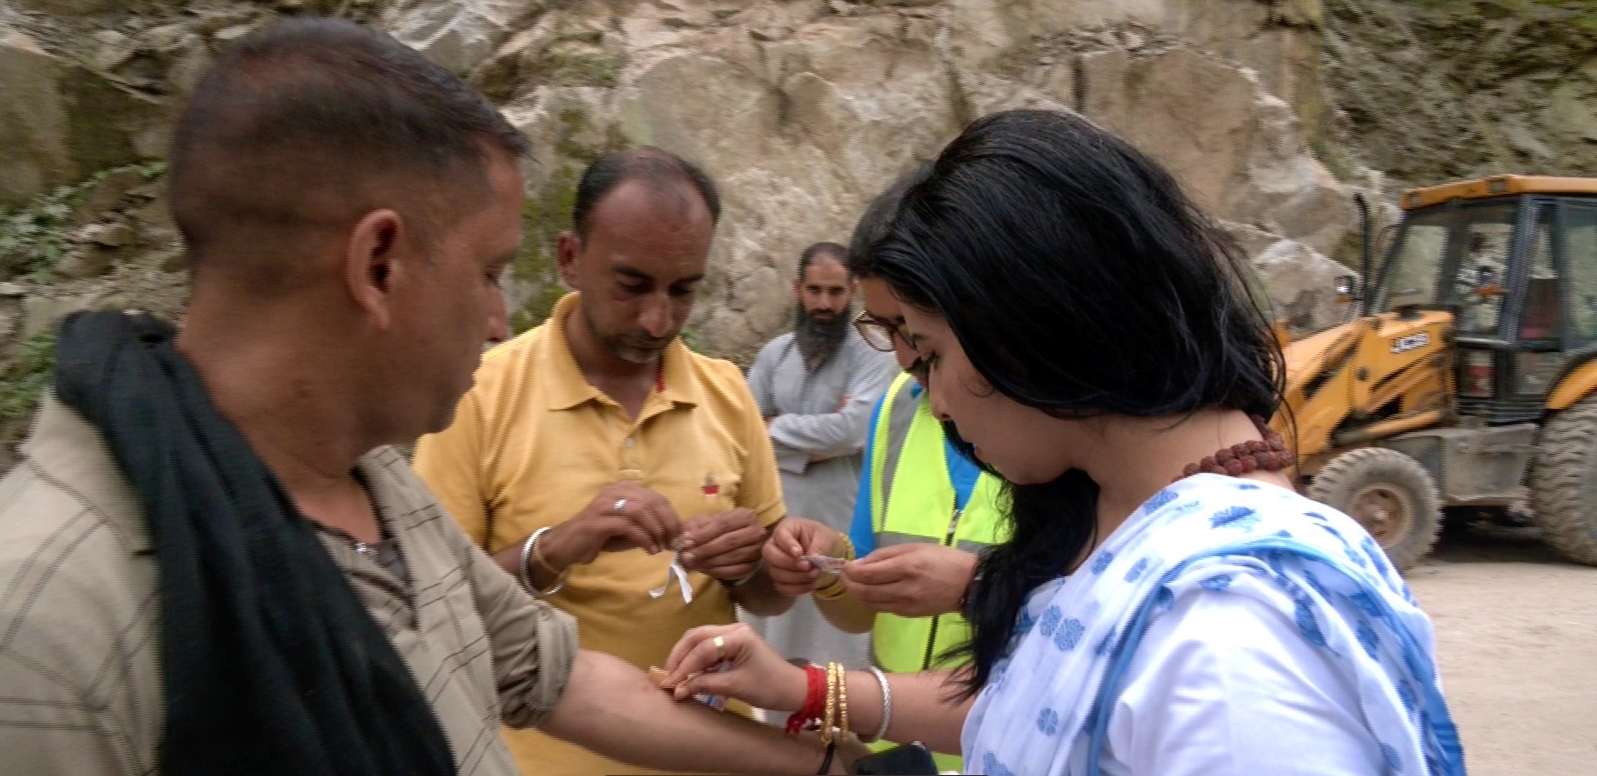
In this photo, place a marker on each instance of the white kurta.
(1227, 627)
(1225, 686)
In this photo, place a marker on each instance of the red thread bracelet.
(814, 700)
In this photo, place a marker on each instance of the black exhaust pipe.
(1364, 251)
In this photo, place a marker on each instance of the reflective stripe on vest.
(913, 500)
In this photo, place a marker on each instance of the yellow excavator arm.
(1367, 379)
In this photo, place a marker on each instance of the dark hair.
(830, 249)
(297, 124)
(874, 222)
(1082, 282)
(663, 170)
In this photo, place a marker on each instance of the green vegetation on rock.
(23, 382)
(548, 211)
(573, 58)
(578, 67)
(34, 236)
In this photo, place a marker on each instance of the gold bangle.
(831, 703)
(842, 701)
(834, 590)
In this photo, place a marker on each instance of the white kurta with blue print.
(1228, 627)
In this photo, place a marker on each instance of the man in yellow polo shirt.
(594, 444)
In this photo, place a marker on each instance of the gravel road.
(1517, 637)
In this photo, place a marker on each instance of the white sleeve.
(1223, 685)
(760, 377)
(843, 432)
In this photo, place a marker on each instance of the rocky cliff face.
(1268, 110)
(803, 110)
(1430, 90)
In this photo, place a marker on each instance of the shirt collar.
(568, 387)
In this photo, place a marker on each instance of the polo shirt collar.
(568, 388)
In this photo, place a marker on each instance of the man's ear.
(798, 290)
(567, 247)
(370, 263)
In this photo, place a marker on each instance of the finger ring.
(620, 509)
(720, 647)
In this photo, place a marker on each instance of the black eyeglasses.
(876, 332)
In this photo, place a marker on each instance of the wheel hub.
(1383, 512)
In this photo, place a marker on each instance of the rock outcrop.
(1435, 91)
(61, 121)
(804, 109)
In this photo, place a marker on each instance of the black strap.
(826, 764)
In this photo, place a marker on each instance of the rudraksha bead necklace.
(1269, 454)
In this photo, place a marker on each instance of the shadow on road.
(1485, 543)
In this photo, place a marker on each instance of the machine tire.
(1370, 482)
(1563, 483)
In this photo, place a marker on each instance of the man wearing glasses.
(923, 511)
(816, 386)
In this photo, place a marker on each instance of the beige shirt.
(80, 681)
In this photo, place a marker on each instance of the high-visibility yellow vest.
(913, 500)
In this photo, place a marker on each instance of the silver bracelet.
(526, 575)
(887, 702)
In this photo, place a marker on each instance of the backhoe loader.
(1465, 382)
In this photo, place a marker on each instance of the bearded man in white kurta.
(816, 387)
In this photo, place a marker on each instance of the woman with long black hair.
(1168, 603)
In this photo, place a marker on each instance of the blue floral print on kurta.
(1215, 535)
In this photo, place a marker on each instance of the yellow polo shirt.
(533, 443)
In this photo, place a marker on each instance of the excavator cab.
(1503, 267)
(1464, 383)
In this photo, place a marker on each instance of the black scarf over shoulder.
(271, 663)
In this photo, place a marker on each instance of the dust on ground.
(1517, 639)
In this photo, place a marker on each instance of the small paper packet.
(826, 564)
(716, 702)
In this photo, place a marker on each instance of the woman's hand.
(755, 673)
(794, 538)
(911, 580)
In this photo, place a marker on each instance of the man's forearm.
(821, 436)
(509, 559)
(758, 595)
(612, 708)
